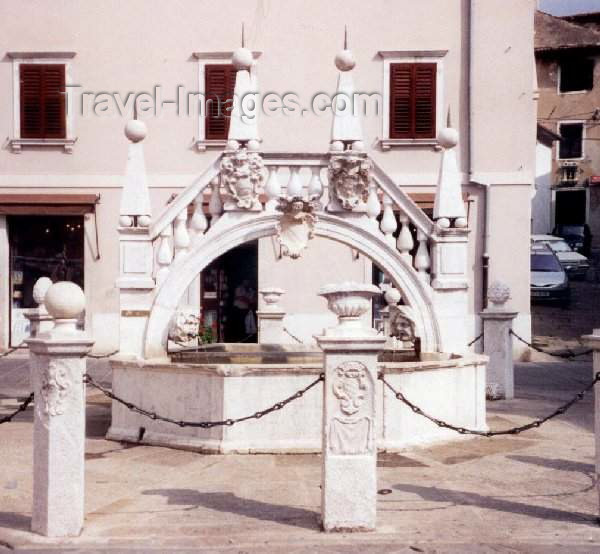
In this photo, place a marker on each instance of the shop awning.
(47, 204)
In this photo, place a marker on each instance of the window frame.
(16, 143)
(412, 57)
(583, 137)
(211, 58)
(559, 79)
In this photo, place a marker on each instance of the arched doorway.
(234, 229)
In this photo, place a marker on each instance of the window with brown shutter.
(43, 100)
(412, 100)
(219, 83)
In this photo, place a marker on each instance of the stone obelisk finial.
(346, 128)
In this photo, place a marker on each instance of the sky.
(568, 7)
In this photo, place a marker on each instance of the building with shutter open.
(72, 72)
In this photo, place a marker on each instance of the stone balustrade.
(383, 209)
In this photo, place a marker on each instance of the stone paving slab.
(525, 493)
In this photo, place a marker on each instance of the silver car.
(549, 281)
(573, 263)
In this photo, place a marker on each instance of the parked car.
(578, 236)
(549, 281)
(575, 264)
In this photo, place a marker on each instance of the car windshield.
(559, 246)
(576, 230)
(544, 262)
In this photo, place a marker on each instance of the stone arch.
(234, 229)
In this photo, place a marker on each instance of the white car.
(573, 263)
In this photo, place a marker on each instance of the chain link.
(513, 431)
(565, 356)
(11, 350)
(478, 337)
(202, 424)
(24, 405)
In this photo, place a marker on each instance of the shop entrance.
(228, 292)
(40, 246)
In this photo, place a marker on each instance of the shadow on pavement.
(461, 498)
(228, 502)
(555, 463)
(13, 520)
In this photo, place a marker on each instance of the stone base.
(349, 508)
(219, 391)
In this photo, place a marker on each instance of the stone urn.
(271, 297)
(350, 301)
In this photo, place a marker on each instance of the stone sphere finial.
(242, 58)
(344, 60)
(135, 130)
(392, 296)
(40, 289)
(448, 137)
(64, 300)
(498, 294)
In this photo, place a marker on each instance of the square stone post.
(497, 344)
(593, 341)
(57, 364)
(349, 470)
(270, 317)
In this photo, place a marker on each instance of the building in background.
(62, 164)
(567, 51)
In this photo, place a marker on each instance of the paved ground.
(551, 322)
(528, 493)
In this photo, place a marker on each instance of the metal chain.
(100, 356)
(569, 355)
(475, 340)
(11, 350)
(21, 408)
(513, 431)
(202, 424)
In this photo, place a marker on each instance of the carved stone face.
(184, 326)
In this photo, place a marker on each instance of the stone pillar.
(349, 470)
(270, 318)
(593, 341)
(57, 363)
(497, 344)
(450, 283)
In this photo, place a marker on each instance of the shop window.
(41, 246)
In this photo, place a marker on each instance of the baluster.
(373, 207)
(405, 242)
(388, 221)
(215, 205)
(165, 254)
(181, 237)
(273, 190)
(198, 223)
(422, 259)
(315, 186)
(294, 186)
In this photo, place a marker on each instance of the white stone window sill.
(203, 145)
(388, 144)
(67, 144)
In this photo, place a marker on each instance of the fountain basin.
(449, 387)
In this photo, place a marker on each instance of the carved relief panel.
(351, 428)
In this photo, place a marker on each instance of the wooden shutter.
(412, 100)
(219, 82)
(43, 102)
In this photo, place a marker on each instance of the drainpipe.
(485, 257)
